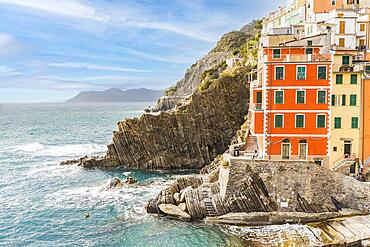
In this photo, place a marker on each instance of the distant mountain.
(117, 95)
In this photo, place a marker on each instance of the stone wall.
(296, 184)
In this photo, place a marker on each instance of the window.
(342, 27)
(337, 123)
(321, 72)
(333, 99)
(354, 123)
(345, 60)
(339, 79)
(279, 121)
(362, 27)
(276, 53)
(335, 149)
(362, 43)
(279, 73)
(279, 97)
(333, 2)
(300, 97)
(353, 100)
(340, 14)
(301, 72)
(321, 121)
(342, 42)
(259, 98)
(344, 99)
(353, 79)
(321, 97)
(309, 42)
(299, 121)
(309, 51)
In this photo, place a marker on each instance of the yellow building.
(345, 109)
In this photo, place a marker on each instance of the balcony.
(299, 58)
(346, 68)
(256, 84)
(360, 58)
(256, 107)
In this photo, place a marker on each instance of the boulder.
(130, 180)
(182, 193)
(174, 212)
(182, 206)
(115, 183)
(176, 196)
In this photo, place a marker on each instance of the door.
(285, 152)
(341, 42)
(347, 149)
(303, 151)
(342, 26)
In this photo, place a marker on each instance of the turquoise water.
(44, 204)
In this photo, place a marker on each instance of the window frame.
(276, 97)
(362, 27)
(326, 72)
(297, 72)
(276, 67)
(273, 53)
(336, 79)
(357, 122)
(349, 60)
(353, 76)
(335, 122)
(304, 121)
(343, 100)
(317, 96)
(304, 98)
(333, 99)
(282, 121)
(317, 121)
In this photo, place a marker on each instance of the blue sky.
(50, 50)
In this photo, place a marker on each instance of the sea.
(45, 204)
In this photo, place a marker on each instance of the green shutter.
(337, 123)
(278, 121)
(301, 97)
(301, 73)
(276, 53)
(308, 51)
(299, 121)
(353, 100)
(279, 73)
(345, 60)
(354, 122)
(333, 99)
(279, 97)
(321, 72)
(353, 79)
(321, 121)
(321, 97)
(339, 79)
(344, 99)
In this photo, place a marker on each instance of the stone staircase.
(342, 165)
(206, 190)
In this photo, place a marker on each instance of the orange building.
(291, 104)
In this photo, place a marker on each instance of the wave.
(68, 150)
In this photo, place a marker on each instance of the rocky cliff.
(228, 46)
(188, 138)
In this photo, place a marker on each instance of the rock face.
(188, 138)
(227, 46)
(174, 211)
(286, 187)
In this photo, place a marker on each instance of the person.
(255, 155)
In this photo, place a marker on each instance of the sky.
(52, 49)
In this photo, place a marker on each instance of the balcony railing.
(257, 107)
(256, 84)
(299, 58)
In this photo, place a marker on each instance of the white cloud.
(96, 67)
(65, 7)
(6, 71)
(121, 17)
(6, 40)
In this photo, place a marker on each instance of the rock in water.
(115, 183)
(182, 206)
(174, 211)
(130, 180)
